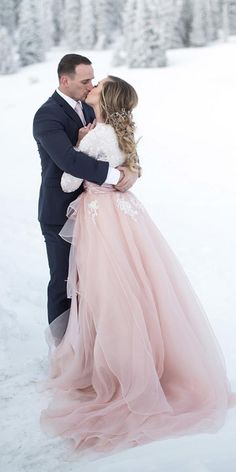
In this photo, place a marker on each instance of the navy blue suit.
(55, 129)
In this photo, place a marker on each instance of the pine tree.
(166, 21)
(232, 16)
(106, 23)
(31, 43)
(119, 6)
(58, 18)
(225, 19)
(72, 23)
(129, 30)
(203, 29)
(216, 18)
(125, 41)
(7, 15)
(182, 19)
(137, 35)
(198, 35)
(87, 29)
(149, 46)
(194, 23)
(17, 10)
(210, 32)
(8, 58)
(48, 25)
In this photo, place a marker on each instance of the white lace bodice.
(100, 143)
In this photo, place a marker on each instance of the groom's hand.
(83, 131)
(127, 179)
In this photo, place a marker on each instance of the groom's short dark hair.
(69, 62)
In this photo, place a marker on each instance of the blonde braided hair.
(118, 98)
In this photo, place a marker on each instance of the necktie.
(79, 111)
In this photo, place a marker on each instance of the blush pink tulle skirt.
(138, 361)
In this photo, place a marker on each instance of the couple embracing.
(135, 359)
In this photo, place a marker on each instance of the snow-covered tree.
(166, 21)
(87, 25)
(203, 28)
(106, 22)
(30, 33)
(129, 30)
(126, 40)
(216, 17)
(149, 47)
(48, 25)
(72, 22)
(195, 22)
(198, 34)
(58, 18)
(232, 16)
(8, 58)
(225, 19)
(119, 6)
(182, 19)
(17, 10)
(211, 34)
(7, 15)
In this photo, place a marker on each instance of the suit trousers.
(58, 260)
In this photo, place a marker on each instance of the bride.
(138, 361)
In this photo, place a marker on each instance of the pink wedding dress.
(139, 361)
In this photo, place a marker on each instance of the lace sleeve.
(69, 183)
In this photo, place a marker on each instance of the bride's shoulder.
(102, 134)
(102, 131)
(104, 128)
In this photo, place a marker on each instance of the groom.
(55, 128)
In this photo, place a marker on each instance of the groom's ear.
(64, 80)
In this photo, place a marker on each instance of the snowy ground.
(186, 118)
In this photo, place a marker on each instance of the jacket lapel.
(67, 108)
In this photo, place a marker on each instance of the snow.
(186, 119)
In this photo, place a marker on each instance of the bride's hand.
(127, 179)
(83, 131)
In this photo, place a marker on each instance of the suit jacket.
(55, 129)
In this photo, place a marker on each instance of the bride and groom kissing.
(135, 360)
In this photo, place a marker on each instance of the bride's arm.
(69, 183)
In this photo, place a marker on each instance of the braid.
(118, 98)
(124, 127)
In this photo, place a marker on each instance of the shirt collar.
(69, 100)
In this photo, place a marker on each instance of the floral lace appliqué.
(93, 209)
(101, 156)
(130, 206)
